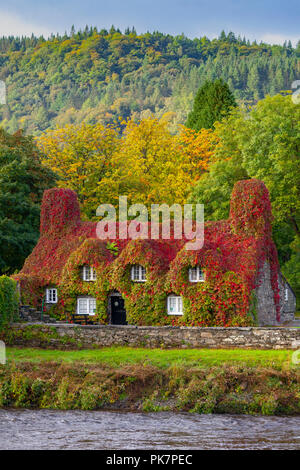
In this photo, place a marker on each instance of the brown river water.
(54, 429)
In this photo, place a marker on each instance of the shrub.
(9, 300)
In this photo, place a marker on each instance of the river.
(55, 429)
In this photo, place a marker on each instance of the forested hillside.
(103, 75)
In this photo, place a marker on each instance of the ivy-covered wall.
(233, 254)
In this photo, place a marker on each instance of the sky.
(272, 21)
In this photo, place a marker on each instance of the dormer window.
(89, 273)
(51, 296)
(174, 305)
(196, 274)
(138, 273)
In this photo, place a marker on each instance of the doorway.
(118, 312)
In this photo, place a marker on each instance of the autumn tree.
(146, 163)
(154, 166)
(81, 157)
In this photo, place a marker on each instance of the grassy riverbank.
(162, 358)
(203, 381)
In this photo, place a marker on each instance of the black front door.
(118, 312)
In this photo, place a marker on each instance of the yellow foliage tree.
(198, 148)
(148, 168)
(81, 157)
(146, 163)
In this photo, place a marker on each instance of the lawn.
(116, 356)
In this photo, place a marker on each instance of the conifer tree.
(213, 101)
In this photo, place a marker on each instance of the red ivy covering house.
(233, 280)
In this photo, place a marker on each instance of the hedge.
(9, 300)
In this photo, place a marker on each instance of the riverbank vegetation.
(202, 381)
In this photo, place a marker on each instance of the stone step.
(31, 314)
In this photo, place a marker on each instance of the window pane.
(200, 274)
(143, 273)
(175, 305)
(51, 295)
(193, 274)
(172, 304)
(196, 274)
(82, 306)
(135, 273)
(92, 306)
(86, 273)
(179, 300)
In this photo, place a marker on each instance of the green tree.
(213, 101)
(23, 180)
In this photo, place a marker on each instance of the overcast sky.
(272, 21)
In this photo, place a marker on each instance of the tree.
(98, 77)
(147, 163)
(152, 166)
(213, 101)
(263, 144)
(23, 180)
(81, 157)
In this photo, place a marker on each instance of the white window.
(51, 296)
(286, 294)
(138, 273)
(175, 305)
(196, 274)
(86, 306)
(89, 273)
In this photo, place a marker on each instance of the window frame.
(141, 272)
(88, 300)
(49, 295)
(286, 294)
(92, 275)
(179, 301)
(200, 275)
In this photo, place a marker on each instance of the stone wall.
(287, 301)
(90, 336)
(265, 307)
(266, 310)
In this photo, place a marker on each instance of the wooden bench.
(83, 319)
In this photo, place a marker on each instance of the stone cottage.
(233, 280)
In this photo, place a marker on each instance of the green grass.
(116, 356)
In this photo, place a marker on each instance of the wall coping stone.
(157, 328)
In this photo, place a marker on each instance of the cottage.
(233, 280)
